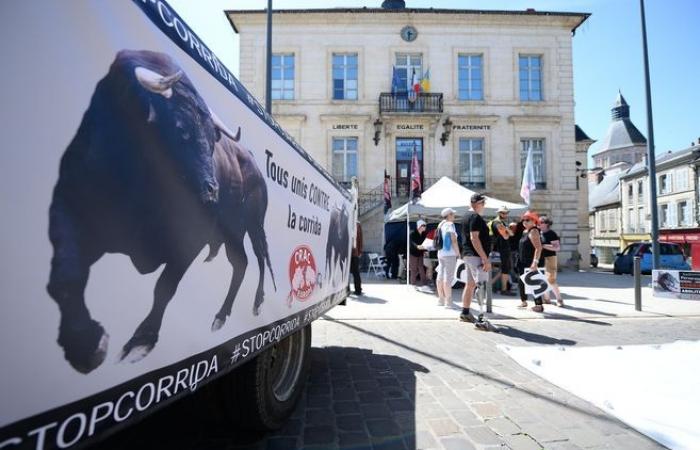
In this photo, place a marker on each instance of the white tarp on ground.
(446, 193)
(652, 388)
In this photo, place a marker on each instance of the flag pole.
(408, 227)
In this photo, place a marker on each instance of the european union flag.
(395, 81)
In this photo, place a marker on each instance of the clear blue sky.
(607, 55)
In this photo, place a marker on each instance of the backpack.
(438, 242)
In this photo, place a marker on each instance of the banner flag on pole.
(416, 188)
(425, 82)
(387, 192)
(529, 184)
(395, 82)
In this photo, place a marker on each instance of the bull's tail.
(267, 259)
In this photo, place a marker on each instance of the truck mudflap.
(159, 228)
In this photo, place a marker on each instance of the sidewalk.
(587, 295)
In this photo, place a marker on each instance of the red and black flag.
(387, 192)
(416, 186)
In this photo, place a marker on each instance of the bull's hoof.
(138, 347)
(218, 323)
(84, 348)
(256, 309)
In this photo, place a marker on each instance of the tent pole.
(408, 239)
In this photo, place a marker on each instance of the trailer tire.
(262, 393)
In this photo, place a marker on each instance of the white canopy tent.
(446, 193)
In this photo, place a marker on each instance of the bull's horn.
(157, 83)
(218, 123)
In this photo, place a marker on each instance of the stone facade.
(500, 118)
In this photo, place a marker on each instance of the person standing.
(416, 253)
(477, 245)
(502, 234)
(550, 248)
(529, 251)
(447, 257)
(355, 259)
(391, 252)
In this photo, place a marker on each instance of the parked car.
(594, 260)
(672, 257)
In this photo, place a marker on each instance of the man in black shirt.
(477, 245)
(501, 235)
(550, 247)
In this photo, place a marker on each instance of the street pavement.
(392, 370)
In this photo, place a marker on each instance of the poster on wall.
(679, 284)
(159, 228)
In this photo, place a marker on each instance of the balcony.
(425, 103)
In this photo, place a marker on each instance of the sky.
(607, 55)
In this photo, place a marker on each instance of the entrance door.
(404, 154)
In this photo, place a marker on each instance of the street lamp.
(377, 130)
(651, 159)
(447, 126)
(268, 81)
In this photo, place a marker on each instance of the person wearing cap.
(477, 246)
(415, 259)
(447, 257)
(502, 233)
(530, 249)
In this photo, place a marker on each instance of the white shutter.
(672, 215)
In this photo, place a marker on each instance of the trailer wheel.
(262, 394)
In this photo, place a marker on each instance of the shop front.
(689, 240)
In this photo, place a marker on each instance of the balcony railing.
(425, 102)
(369, 200)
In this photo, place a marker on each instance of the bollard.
(637, 284)
(489, 294)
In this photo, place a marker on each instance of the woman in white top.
(447, 257)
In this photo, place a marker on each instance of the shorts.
(506, 263)
(550, 268)
(446, 268)
(475, 271)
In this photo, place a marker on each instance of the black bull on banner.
(148, 136)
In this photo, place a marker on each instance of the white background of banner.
(55, 53)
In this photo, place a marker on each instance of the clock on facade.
(409, 33)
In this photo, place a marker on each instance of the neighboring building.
(500, 82)
(623, 142)
(604, 210)
(583, 143)
(677, 200)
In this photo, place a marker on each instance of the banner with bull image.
(158, 227)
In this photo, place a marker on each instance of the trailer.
(162, 235)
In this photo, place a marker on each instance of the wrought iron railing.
(373, 198)
(424, 102)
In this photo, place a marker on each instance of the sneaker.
(448, 305)
(467, 318)
(441, 302)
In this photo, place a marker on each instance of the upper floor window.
(345, 76)
(630, 192)
(283, 76)
(681, 180)
(538, 160)
(471, 163)
(640, 192)
(665, 216)
(530, 67)
(665, 183)
(470, 75)
(344, 159)
(406, 65)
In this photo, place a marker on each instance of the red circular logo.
(302, 272)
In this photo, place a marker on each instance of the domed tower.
(623, 141)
